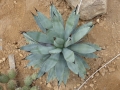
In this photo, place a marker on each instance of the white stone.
(98, 20)
(89, 8)
(21, 55)
(15, 2)
(91, 85)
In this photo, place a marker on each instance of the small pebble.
(98, 20)
(88, 73)
(30, 67)
(104, 47)
(20, 55)
(19, 50)
(15, 2)
(3, 59)
(94, 81)
(74, 87)
(41, 82)
(85, 86)
(49, 85)
(78, 85)
(91, 85)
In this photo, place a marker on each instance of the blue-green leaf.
(52, 34)
(82, 48)
(41, 73)
(79, 33)
(68, 55)
(89, 55)
(58, 42)
(65, 74)
(36, 59)
(84, 63)
(94, 45)
(82, 70)
(29, 47)
(89, 24)
(53, 11)
(33, 56)
(71, 24)
(43, 22)
(41, 49)
(51, 75)
(39, 64)
(48, 64)
(57, 50)
(33, 63)
(59, 68)
(29, 39)
(58, 27)
(38, 37)
(73, 67)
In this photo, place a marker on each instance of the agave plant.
(57, 50)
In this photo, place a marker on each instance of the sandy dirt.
(15, 16)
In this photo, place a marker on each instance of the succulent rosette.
(58, 48)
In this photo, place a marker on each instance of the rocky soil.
(15, 16)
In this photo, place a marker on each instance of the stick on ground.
(98, 70)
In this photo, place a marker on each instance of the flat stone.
(89, 8)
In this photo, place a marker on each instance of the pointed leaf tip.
(71, 24)
(79, 33)
(59, 68)
(43, 22)
(49, 63)
(94, 46)
(73, 67)
(35, 9)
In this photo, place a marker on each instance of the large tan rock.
(89, 8)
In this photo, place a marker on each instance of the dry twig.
(78, 10)
(98, 70)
